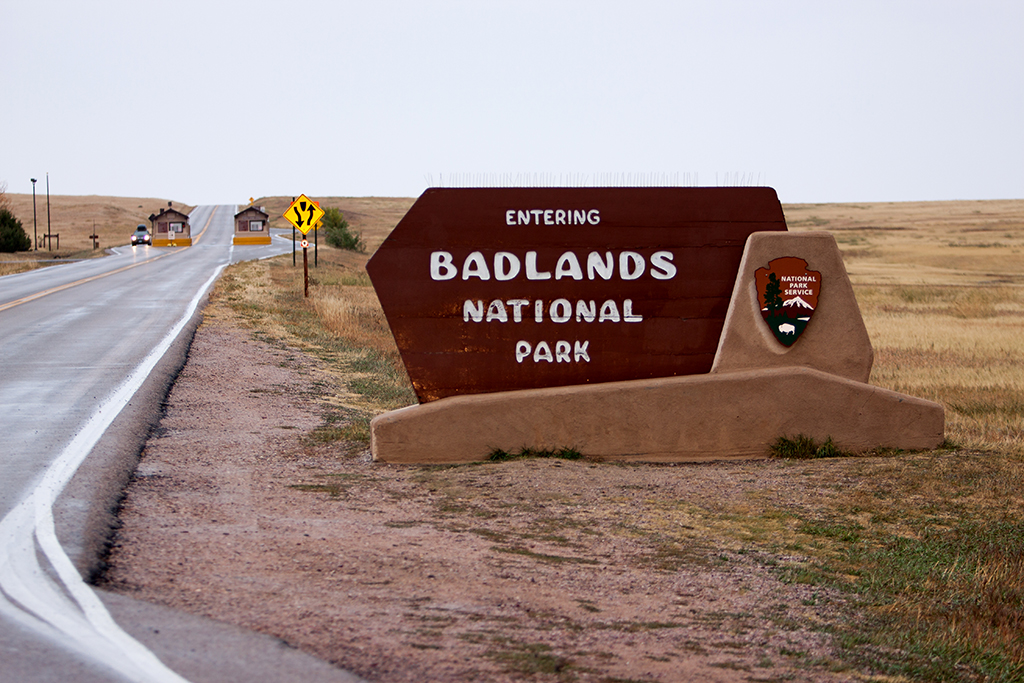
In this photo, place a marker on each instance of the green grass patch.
(544, 557)
(499, 455)
(334, 485)
(957, 591)
(637, 626)
(841, 532)
(340, 427)
(385, 385)
(987, 402)
(530, 659)
(946, 605)
(804, 447)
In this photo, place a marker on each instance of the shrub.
(337, 232)
(804, 447)
(565, 453)
(12, 235)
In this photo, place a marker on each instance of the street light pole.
(35, 229)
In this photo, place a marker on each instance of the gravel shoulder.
(243, 511)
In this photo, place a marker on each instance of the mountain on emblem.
(796, 302)
(788, 294)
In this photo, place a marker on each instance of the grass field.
(941, 289)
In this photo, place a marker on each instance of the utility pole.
(35, 229)
(49, 242)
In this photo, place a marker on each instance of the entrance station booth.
(170, 228)
(252, 226)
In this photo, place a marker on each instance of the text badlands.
(505, 266)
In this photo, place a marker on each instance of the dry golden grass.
(341, 321)
(74, 218)
(353, 312)
(941, 289)
(923, 243)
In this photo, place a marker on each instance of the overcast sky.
(214, 102)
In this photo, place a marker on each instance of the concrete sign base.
(757, 391)
(674, 419)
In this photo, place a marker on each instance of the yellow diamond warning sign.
(304, 214)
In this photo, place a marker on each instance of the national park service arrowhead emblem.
(788, 294)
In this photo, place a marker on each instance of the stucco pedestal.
(694, 418)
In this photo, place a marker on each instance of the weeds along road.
(80, 345)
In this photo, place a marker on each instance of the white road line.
(68, 608)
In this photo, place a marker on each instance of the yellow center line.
(54, 290)
(69, 285)
(203, 231)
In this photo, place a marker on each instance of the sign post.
(305, 267)
(304, 214)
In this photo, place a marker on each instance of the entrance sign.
(755, 393)
(788, 295)
(500, 289)
(304, 214)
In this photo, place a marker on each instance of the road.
(87, 351)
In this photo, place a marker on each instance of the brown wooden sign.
(496, 289)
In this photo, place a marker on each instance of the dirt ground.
(244, 511)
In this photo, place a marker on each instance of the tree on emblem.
(773, 294)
